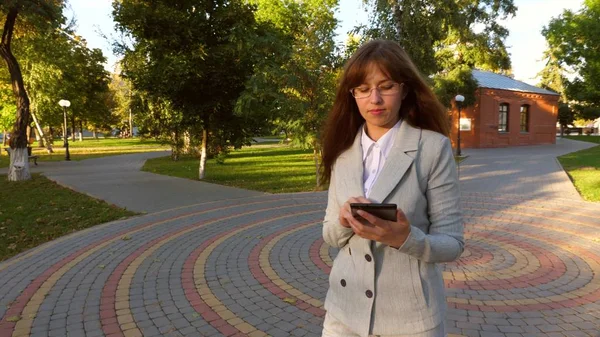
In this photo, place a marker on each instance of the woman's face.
(381, 112)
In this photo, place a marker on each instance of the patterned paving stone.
(257, 266)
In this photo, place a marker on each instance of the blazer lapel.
(350, 167)
(397, 162)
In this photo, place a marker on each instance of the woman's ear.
(404, 92)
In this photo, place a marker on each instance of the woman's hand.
(346, 213)
(391, 233)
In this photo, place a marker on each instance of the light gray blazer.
(405, 284)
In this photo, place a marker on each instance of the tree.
(192, 55)
(442, 36)
(40, 15)
(573, 40)
(551, 77)
(297, 85)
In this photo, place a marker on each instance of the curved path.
(257, 266)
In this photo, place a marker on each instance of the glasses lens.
(383, 89)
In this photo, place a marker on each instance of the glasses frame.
(378, 90)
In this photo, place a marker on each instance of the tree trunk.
(18, 169)
(38, 138)
(187, 143)
(81, 131)
(18, 140)
(73, 127)
(202, 169)
(4, 140)
(51, 135)
(94, 134)
(43, 139)
(130, 123)
(316, 157)
(175, 148)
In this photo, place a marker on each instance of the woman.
(386, 141)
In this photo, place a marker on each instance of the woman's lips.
(376, 111)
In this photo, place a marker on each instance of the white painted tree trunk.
(18, 168)
(202, 169)
(316, 156)
(5, 138)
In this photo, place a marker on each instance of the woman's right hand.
(346, 213)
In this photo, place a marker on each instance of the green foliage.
(293, 90)
(440, 35)
(446, 38)
(188, 64)
(571, 38)
(566, 115)
(50, 211)
(458, 81)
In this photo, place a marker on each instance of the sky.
(525, 42)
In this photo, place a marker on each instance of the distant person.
(386, 140)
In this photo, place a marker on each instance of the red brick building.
(507, 112)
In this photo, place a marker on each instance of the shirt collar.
(385, 142)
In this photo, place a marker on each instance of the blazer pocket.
(417, 282)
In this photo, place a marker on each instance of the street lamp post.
(459, 99)
(65, 104)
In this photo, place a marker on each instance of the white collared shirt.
(375, 154)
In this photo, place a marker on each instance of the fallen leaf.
(13, 318)
(290, 300)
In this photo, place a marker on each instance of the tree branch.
(9, 26)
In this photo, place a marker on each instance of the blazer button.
(343, 282)
(369, 293)
(368, 257)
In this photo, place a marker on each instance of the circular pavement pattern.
(258, 267)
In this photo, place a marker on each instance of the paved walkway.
(118, 180)
(256, 265)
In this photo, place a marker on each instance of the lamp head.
(459, 98)
(64, 103)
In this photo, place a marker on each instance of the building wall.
(484, 115)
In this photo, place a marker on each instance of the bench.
(30, 157)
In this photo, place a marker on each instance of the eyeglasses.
(386, 89)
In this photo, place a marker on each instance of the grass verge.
(589, 139)
(92, 148)
(583, 167)
(39, 210)
(272, 168)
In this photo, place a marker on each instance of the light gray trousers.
(334, 328)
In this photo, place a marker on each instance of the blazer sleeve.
(334, 233)
(445, 241)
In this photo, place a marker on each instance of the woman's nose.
(375, 96)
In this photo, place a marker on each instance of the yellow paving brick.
(494, 303)
(132, 333)
(235, 321)
(125, 319)
(122, 305)
(226, 314)
(128, 326)
(257, 333)
(245, 328)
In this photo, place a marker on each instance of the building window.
(525, 118)
(503, 118)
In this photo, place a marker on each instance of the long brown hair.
(420, 108)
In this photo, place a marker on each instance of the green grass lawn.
(91, 148)
(272, 168)
(583, 167)
(591, 139)
(39, 210)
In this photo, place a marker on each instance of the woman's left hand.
(391, 233)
